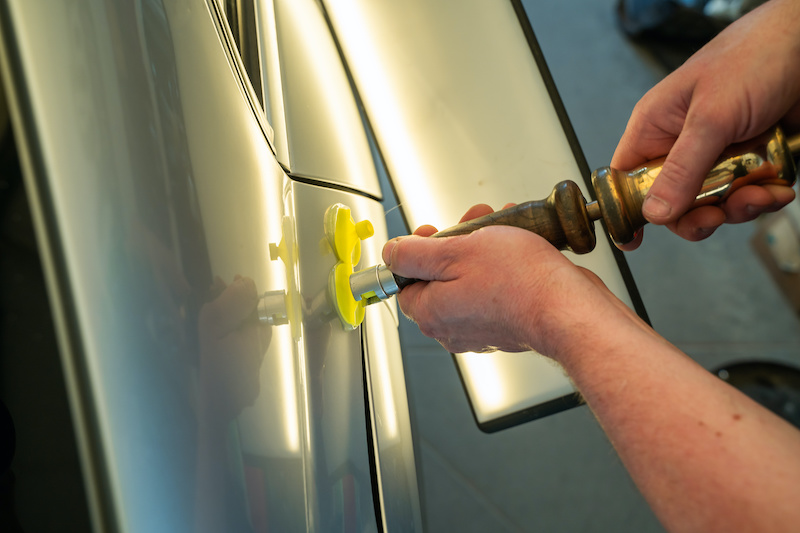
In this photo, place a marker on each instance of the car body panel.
(163, 215)
(463, 113)
(334, 395)
(323, 129)
(171, 209)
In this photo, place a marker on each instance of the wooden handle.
(564, 220)
(561, 218)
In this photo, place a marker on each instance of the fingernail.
(655, 207)
(752, 209)
(702, 233)
(387, 251)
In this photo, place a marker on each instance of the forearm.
(706, 457)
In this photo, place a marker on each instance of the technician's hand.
(736, 87)
(499, 288)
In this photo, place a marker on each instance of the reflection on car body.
(180, 157)
(213, 384)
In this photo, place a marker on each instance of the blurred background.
(715, 300)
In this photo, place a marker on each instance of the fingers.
(496, 288)
(476, 211)
(698, 224)
(749, 202)
(425, 231)
(643, 140)
(737, 86)
(634, 244)
(744, 205)
(666, 122)
(683, 172)
(480, 210)
(419, 257)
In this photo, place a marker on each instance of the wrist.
(580, 334)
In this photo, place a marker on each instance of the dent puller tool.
(566, 220)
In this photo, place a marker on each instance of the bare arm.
(705, 456)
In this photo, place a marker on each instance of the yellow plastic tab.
(286, 251)
(345, 236)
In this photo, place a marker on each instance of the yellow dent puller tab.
(345, 236)
(286, 251)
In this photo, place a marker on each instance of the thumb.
(417, 257)
(682, 174)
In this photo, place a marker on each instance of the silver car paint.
(154, 186)
(324, 134)
(463, 116)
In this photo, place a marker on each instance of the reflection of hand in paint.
(232, 346)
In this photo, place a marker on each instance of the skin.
(739, 85)
(705, 456)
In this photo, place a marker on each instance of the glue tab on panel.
(345, 236)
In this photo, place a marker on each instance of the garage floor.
(714, 300)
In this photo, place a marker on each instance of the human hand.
(500, 287)
(735, 88)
